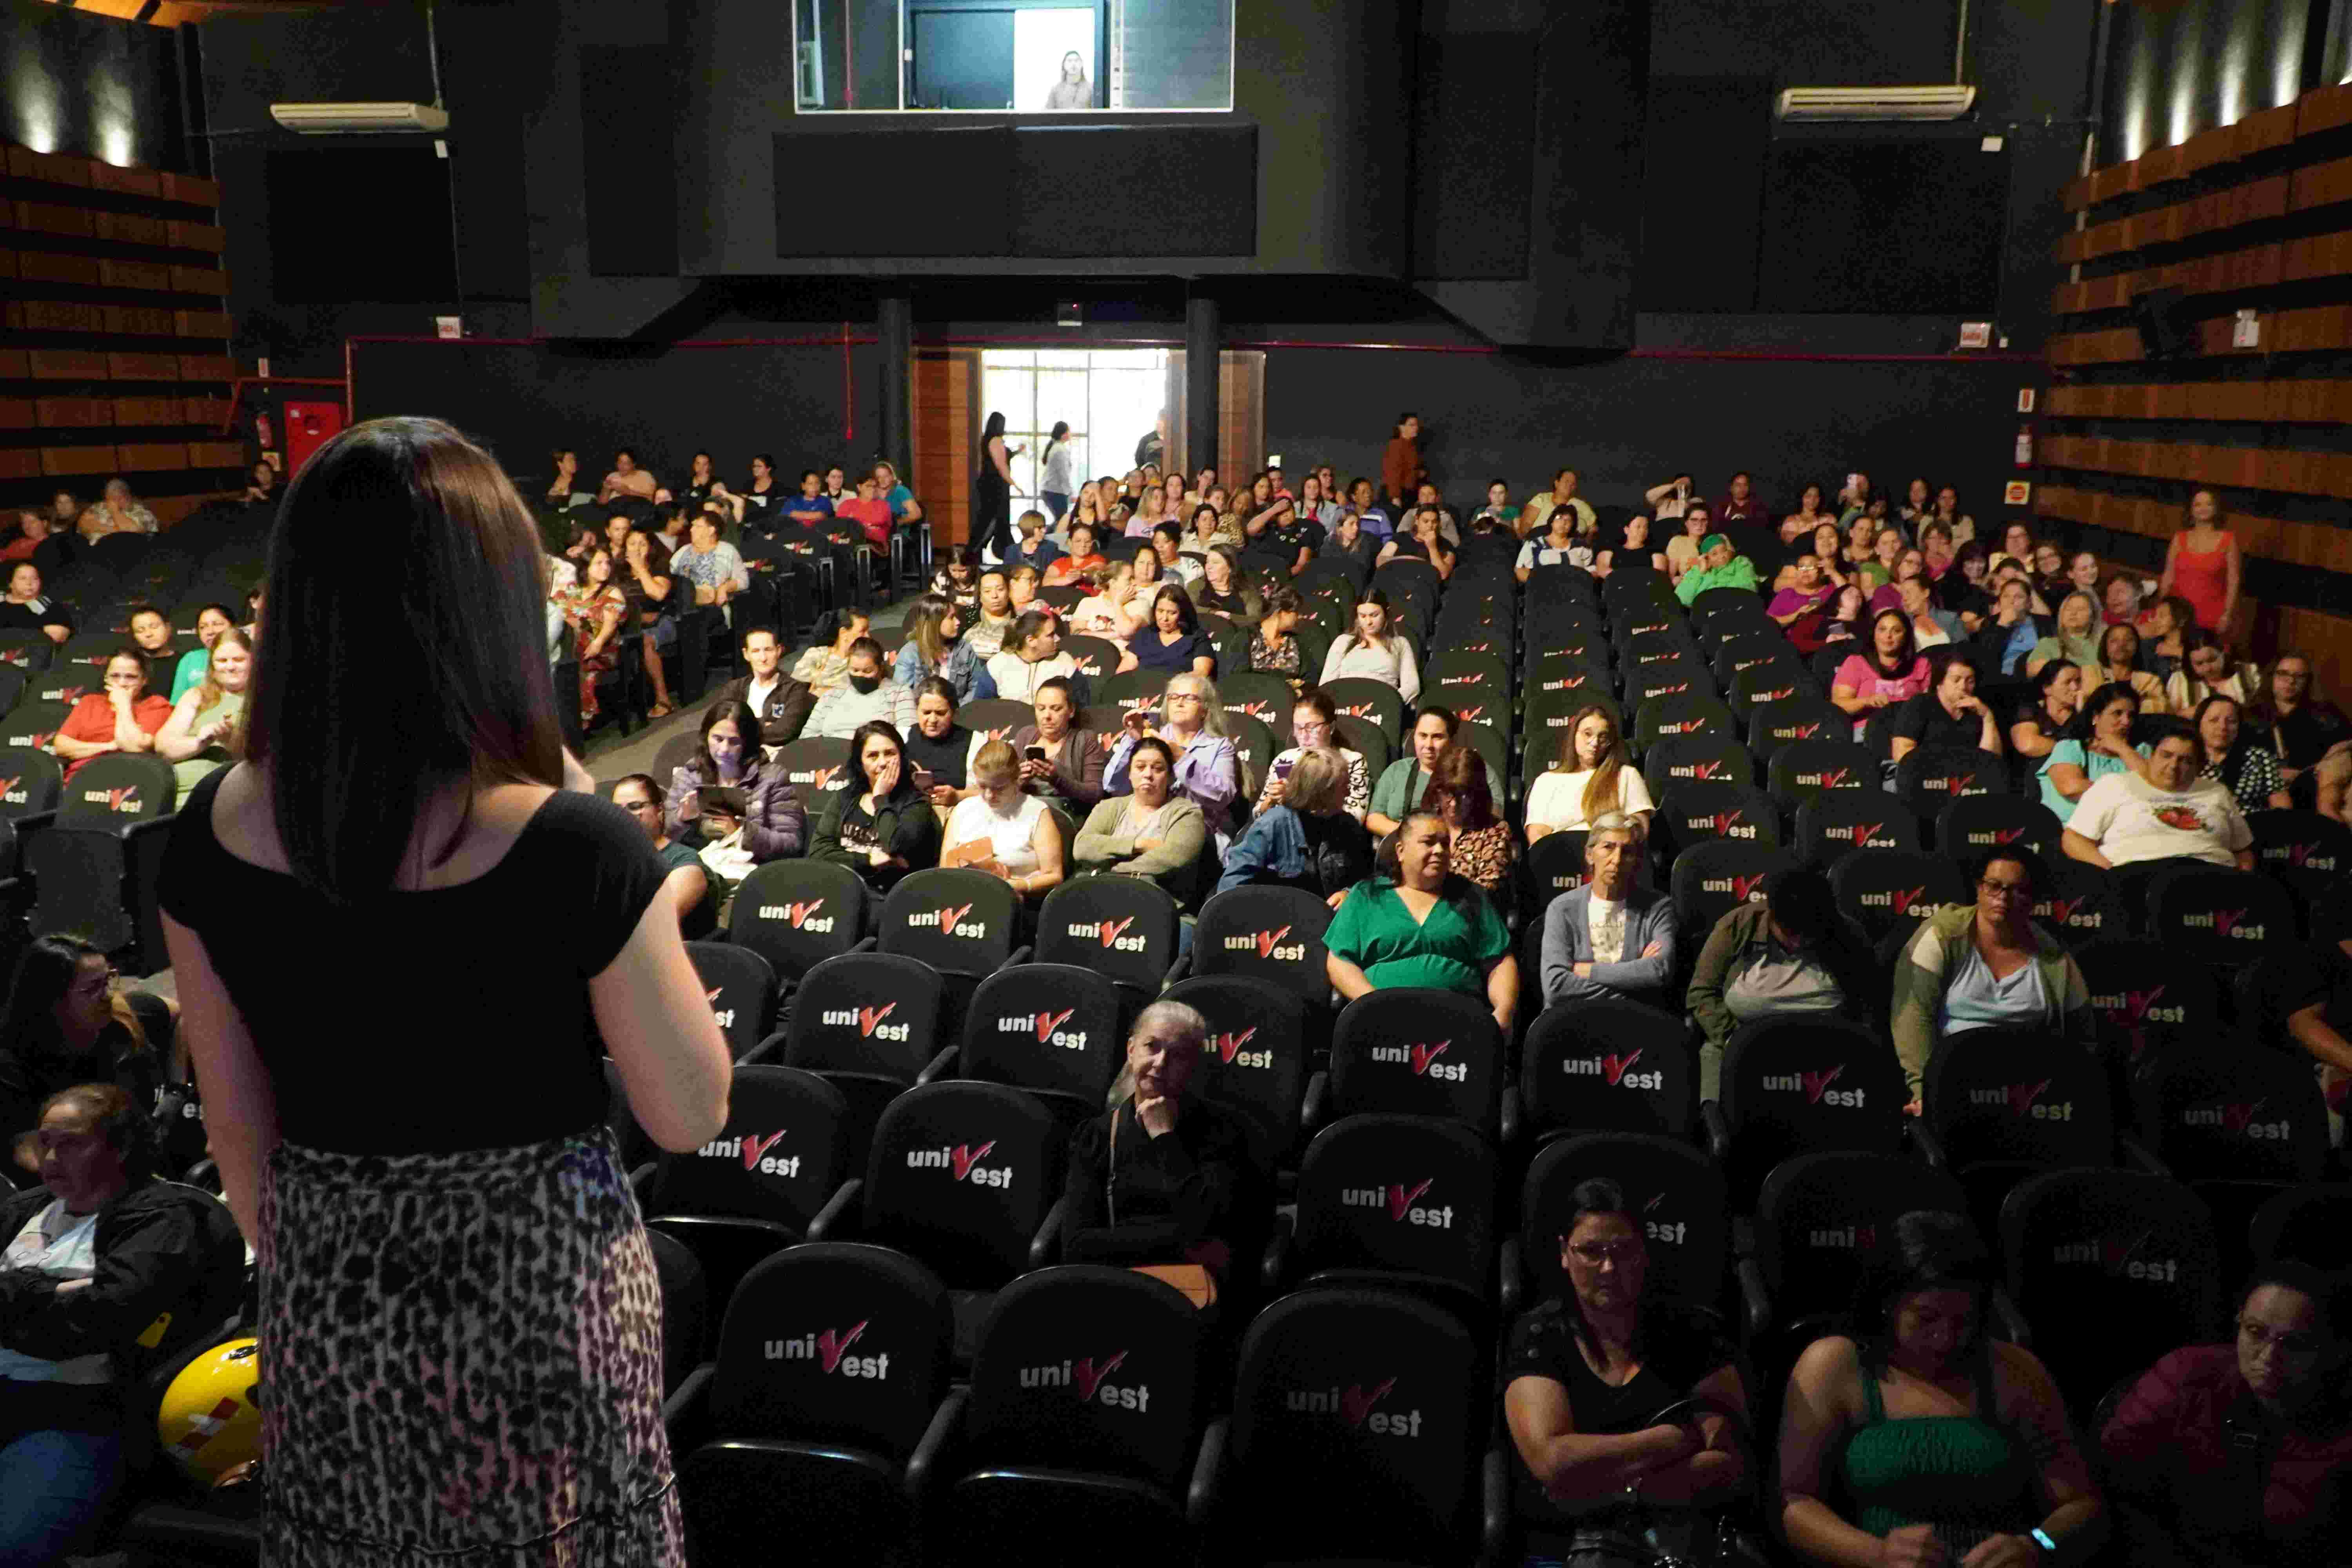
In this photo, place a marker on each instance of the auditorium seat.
(2240, 1123)
(1837, 822)
(1256, 1060)
(796, 914)
(957, 923)
(1932, 777)
(1678, 1191)
(1052, 1030)
(1802, 1085)
(1702, 811)
(1273, 933)
(1884, 891)
(1123, 928)
(1417, 1052)
(79, 862)
(1609, 1066)
(742, 992)
(1821, 1220)
(1394, 1202)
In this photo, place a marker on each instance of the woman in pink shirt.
(1891, 672)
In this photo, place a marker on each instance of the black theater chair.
(79, 862)
(1702, 811)
(2081, 905)
(2000, 1104)
(797, 913)
(1884, 891)
(2147, 1003)
(1122, 928)
(2239, 1122)
(1678, 1191)
(2312, 1223)
(1835, 823)
(867, 1023)
(1609, 1066)
(1821, 1220)
(1258, 1058)
(1973, 824)
(1275, 934)
(742, 992)
(1419, 1052)
(833, 1366)
(1931, 777)
(1803, 1085)
(1712, 879)
(959, 923)
(1050, 1029)
(1397, 1202)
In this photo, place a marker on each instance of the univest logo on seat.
(1985, 838)
(1747, 889)
(1912, 902)
(2120, 1258)
(2025, 1101)
(830, 1350)
(725, 1015)
(802, 916)
(2238, 1120)
(868, 1021)
(2075, 914)
(1255, 706)
(1844, 1237)
(1827, 778)
(124, 797)
(1090, 1380)
(1723, 824)
(1423, 1059)
(63, 693)
(1952, 784)
(949, 922)
(2301, 856)
(1357, 1407)
(1803, 731)
(963, 1164)
(1359, 710)
(1228, 1046)
(1110, 933)
(1047, 1027)
(11, 794)
(1403, 1203)
(1681, 726)
(1705, 769)
(1568, 682)
(2230, 924)
(1614, 1070)
(1673, 1232)
(1267, 944)
(2133, 1009)
(1774, 694)
(816, 778)
(1815, 1087)
(757, 1152)
(1472, 715)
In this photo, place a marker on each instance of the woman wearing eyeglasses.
(1628, 1415)
(2224, 1454)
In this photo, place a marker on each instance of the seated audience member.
(1948, 713)
(93, 1257)
(1740, 506)
(125, 716)
(2009, 636)
(1350, 540)
(714, 566)
(1315, 721)
(1587, 1375)
(1083, 562)
(1374, 649)
(2163, 633)
(939, 749)
(1033, 654)
(32, 529)
(730, 757)
(1423, 539)
(2119, 664)
(904, 507)
(2240, 1453)
(150, 633)
(1909, 565)
(1168, 552)
(2314, 998)
(1191, 720)
(1790, 953)
(1222, 588)
(67, 1023)
(626, 480)
(204, 726)
(1987, 966)
(1930, 627)
(1847, 619)
(116, 511)
(1162, 1176)
(693, 893)
(1889, 672)
(1592, 778)
(1274, 647)
(1001, 831)
(959, 575)
(645, 584)
(593, 610)
(779, 702)
(824, 668)
(1208, 529)
(1685, 548)
(1876, 569)
(1030, 546)
(25, 610)
(1865, 1478)
(1372, 517)
(1061, 763)
(2207, 670)
(2097, 742)
(1414, 923)
(990, 617)
(1149, 831)
(881, 826)
(866, 696)
(1720, 566)
(1482, 846)
(1615, 937)
(1799, 606)
(1117, 610)
(2170, 812)
(1558, 545)
(2074, 640)
(1403, 782)
(1963, 590)
(2042, 719)
(1309, 839)
(723, 853)
(869, 511)
(1173, 640)
(1808, 517)
(809, 508)
(2237, 762)
(935, 646)
(1632, 552)
(2120, 600)
(1021, 584)
(2313, 737)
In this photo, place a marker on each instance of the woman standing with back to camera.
(460, 1323)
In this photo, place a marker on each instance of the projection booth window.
(1028, 56)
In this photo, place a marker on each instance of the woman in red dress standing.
(2202, 565)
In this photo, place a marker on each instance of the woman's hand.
(1914, 1546)
(1156, 1116)
(886, 778)
(1277, 792)
(943, 794)
(2003, 1552)
(1336, 899)
(877, 856)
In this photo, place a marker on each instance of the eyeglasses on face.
(1595, 1254)
(2262, 1336)
(2005, 889)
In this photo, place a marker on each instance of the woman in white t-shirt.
(1033, 653)
(2170, 812)
(1374, 651)
(1591, 777)
(1001, 831)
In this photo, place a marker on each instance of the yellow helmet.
(209, 1422)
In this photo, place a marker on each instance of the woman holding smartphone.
(1004, 832)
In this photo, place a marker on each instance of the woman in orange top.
(122, 718)
(2202, 565)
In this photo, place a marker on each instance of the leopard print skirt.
(462, 1363)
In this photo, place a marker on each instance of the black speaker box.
(2167, 330)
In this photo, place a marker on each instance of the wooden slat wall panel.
(943, 433)
(16, 414)
(152, 410)
(73, 413)
(2240, 468)
(2311, 402)
(216, 454)
(2298, 544)
(153, 457)
(78, 461)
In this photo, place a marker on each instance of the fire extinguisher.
(261, 430)
(2025, 445)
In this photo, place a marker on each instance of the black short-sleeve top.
(429, 1021)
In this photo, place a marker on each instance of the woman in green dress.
(207, 724)
(1415, 923)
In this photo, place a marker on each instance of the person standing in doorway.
(1074, 89)
(1054, 489)
(992, 492)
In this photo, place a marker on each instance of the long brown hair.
(351, 755)
(1460, 775)
(1601, 789)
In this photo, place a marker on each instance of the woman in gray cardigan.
(1611, 910)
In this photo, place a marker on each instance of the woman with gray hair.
(1158, 1177)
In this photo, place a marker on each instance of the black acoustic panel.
(1908, 227)
(320, 200)
(1703, 188)
(1474, 155)
(951, 189)
(628, 107)
(1177, 190)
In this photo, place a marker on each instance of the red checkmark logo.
(755, 1146)
(1049, 1022)
(966, 1158)
(1088, 1377)
(830, 1345)
(1613, 1068)
(1817, 1083)
(1356, 1403)
(1400, 1200)
(1425, 1055)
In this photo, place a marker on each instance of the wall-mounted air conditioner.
(358, 119)
(1947, 102)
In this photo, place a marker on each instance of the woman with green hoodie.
(1987, 966)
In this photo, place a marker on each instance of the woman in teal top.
(1916, 1441)
(2097, 743)
(1416, 924)
(210, 621)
